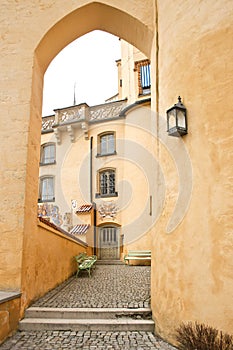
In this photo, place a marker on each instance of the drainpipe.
(91, 151)
(95, 250)
(91, 191)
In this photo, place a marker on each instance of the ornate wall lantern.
(177, 120)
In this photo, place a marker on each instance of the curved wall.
(191, 272)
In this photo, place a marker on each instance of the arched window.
(106, 183)
(47, 154)
(46, 191)
(106, 143)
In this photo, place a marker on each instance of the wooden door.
(109, 243)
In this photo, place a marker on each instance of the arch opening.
(94, 16)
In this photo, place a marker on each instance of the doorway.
(109, 243)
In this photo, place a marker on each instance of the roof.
(80, 229)
(84, 208)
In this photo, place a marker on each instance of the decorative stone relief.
(107, 111)
(74, 204)
(48, 122)
(84, 114)
(108, 210)
(71, 132)
(84, 127)
(57, 134)
(71, 114)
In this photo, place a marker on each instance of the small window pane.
(107, 144)
(145, 76)
(48, 154)
(47, 189)
(107, 182)
(111, 143)
(103, 145)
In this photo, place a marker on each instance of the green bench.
(81, 257)
(85, 263)
(137, 255)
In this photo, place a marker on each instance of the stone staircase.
(93, 319)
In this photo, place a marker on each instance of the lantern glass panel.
(172, 119)
(181, 119)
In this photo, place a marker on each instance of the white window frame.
(110, 140)
(50, 159)
(49, 194)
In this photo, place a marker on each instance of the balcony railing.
(48, 123)
(83, 113)
(106, 111)
(71, 114)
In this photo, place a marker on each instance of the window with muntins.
(107, 183)
(106, 144)
(47, 154)
(46, 189)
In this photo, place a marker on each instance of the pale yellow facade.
(76, 166)
(190, 47)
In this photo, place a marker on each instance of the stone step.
(109, 262)
(121, 324)
(88, 313)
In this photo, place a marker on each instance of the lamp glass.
(181, 119)
(172, 119)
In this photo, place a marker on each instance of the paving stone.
(109, 286)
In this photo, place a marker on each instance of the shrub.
(196, 336)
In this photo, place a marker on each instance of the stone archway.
(38, 34)
(86, 19)
(70, 27)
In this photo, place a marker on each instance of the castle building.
(93, 182)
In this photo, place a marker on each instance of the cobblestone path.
(85, 340)
(109, 286)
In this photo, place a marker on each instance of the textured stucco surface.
(9, 317)
(49, 262)
(192, 278)
(191, 266)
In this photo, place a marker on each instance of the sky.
(87, 65)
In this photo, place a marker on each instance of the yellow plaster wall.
(192, 265)
(130, 54)
(49, 261)
(133, 182)
(9, 317)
